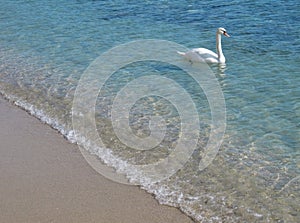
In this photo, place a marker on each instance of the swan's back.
(205, 53)
(201, 55)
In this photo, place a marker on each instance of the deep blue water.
(46, 45)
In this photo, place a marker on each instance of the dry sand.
(44, 178)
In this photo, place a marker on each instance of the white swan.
(207, 56)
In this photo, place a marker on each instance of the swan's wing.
(192, 56)
(200, 55)
(205, 53)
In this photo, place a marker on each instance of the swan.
(205, 55)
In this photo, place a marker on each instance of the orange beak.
(226, 34)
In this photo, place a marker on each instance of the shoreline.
(44, 178)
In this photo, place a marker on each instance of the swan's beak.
(226, 34)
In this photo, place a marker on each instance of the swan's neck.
(221, 57)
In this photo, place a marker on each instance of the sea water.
(45, 46)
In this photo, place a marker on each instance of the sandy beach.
(44, 178)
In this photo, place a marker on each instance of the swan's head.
(223, 31)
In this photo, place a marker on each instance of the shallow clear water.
(46, 45)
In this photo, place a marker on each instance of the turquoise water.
(46, 45)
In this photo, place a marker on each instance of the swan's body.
(207, 56)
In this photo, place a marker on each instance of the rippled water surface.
(45, 46)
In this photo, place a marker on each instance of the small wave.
(34, 111)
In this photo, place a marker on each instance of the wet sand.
(44, 178)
